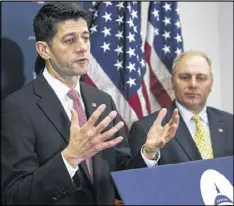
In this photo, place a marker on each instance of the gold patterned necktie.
(202, 140)
(74, 95)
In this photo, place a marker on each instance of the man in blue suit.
(61, 138)
(192, 82)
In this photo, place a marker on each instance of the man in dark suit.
(192, 82)
(61, 138)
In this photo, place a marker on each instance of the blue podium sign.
(203, 182)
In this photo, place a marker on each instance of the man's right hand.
(87, 140)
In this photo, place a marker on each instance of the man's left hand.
(159, 135)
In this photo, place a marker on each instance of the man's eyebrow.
(86, 32)
(68, 34)
(192, 74)
(73, 34)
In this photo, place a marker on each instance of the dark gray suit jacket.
(182, 147)
(35, 129)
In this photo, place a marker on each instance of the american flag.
(131, 70)
(163, 43)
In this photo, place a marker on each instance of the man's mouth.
(191, 95)
(83, 60)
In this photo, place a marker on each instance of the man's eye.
(70, 41)
(86, 38)
(184, 77)
(201, 78)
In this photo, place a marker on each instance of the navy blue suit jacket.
(182, 147)
(35, 129)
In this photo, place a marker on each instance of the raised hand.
(87, 140)
(159, 135)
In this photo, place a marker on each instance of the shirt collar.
(59, 87)
(187, 115)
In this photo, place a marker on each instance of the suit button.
(54, 198)
(98, 200)
(64, 191)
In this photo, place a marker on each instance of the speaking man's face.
(69, 50)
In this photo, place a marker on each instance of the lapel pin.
(94, 104)
(220, 130)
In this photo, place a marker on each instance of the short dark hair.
(46, 19)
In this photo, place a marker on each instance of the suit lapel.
(184, 138)
(218, 133)
(52, 107)
(91, 102)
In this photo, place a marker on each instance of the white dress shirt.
(190, 123)
(61, 91)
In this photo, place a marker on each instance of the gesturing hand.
(87, 140)
(159, 135)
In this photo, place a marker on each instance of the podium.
(202, 182)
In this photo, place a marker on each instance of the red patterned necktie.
(74, 95)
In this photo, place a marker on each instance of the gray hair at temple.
(191, 52)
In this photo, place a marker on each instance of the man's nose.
(81, 46)
(193, 82)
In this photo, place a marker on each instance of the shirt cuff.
(70, 169)
(151, 163)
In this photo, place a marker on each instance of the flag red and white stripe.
(162, 43)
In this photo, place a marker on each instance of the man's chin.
(192, 105)
(81, 72)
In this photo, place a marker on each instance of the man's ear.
(43, 49)
(211, 86)
(172, 82)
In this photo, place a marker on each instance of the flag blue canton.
(116, 44)
(168, 42)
